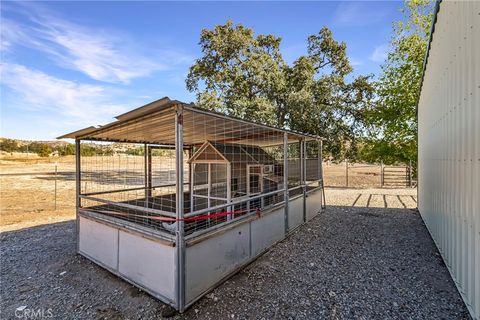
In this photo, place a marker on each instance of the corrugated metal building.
(449, 143)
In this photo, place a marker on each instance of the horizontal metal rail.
(363, 166)
(297, 187)
(214, 228)
(162, 235)
(208, 197)
(126, 190)
(206, 210)
(130, 206)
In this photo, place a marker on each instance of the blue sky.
(68, 65)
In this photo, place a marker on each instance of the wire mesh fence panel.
(237, 170)
(364, 175)
(241, 164)
(127, 181)
(30, 189)
(294, 169)
(334, 174)
(313, 170)
(161, 178)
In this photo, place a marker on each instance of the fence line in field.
(40, 191)
(349, 174)
(55, 187)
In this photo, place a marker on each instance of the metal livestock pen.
(175, 199)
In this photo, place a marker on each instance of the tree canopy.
(393, 119)
(244, 75)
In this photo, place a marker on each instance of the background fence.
(36, 188)
(45, 187)
(364, 175)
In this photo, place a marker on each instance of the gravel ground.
(349, 262)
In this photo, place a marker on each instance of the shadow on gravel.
(40, 270)
(346, 263)
(380, 200)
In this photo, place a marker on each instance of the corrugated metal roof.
(155, 123)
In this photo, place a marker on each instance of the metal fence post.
(180, 256)
(285, 178)
(145, 160)
(56, 171)
(78, 201)
(303, 178)
(381, 174)
(410, 174)
(346, 172)
(323, 201)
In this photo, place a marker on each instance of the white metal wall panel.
(295, 212)
(313, 203)
(99, 242)
(214, 258)
(148, 263)
(449, 144)
(267, 230)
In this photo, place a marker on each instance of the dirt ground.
(367, 256)
(27, 191)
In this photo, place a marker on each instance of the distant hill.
(54, 144)
(58, 147)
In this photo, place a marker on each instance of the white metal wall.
(449, 144)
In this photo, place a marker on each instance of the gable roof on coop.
(231, 153)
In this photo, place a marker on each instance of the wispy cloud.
(380, 53)
(103, 55)
(354, 62)
(37, 91)
(356, 13)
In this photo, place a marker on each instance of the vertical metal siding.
(449, 145)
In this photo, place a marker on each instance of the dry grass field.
(27, 190)
(27, 186)
(359, 176)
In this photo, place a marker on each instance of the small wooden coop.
(225, 172)
(175, 199)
